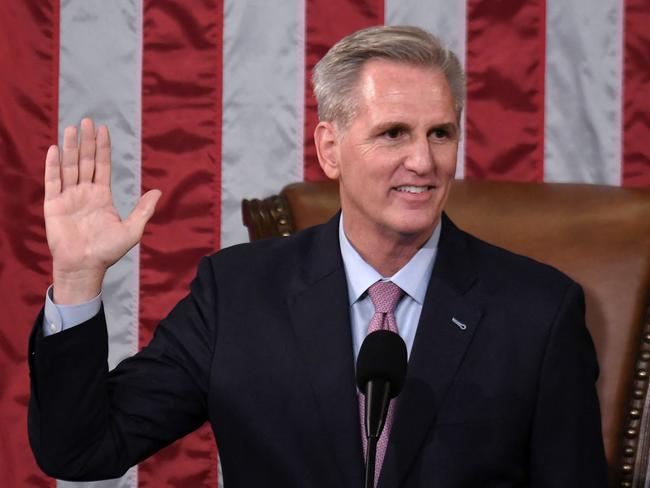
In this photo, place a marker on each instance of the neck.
(385, 253)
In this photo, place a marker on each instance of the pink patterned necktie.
(384, 296)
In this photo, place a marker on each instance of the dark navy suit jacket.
(261, 347)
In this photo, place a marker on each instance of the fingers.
(142, 213)
(88, 159)
(52, 173)
(70, 163)
(87, 151)
(103, 157)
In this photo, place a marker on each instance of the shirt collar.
(413, 277)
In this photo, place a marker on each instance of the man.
(500, 387)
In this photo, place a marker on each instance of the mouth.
(413, 189)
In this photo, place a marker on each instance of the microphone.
(381, 371)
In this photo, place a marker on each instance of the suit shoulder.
(519, 290)
(276, 255)
(502, 268)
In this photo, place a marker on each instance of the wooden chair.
(600, 236)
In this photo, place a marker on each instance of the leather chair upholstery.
(600, 236)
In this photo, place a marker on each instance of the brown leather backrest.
(600, 236)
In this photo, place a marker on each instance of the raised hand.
(84, 231)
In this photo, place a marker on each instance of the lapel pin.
(460, 325)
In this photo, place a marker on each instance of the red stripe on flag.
(181, 155)
(326, 22)
(505, 90)
(636, 102)
(29, 63)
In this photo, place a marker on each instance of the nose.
(420, 158)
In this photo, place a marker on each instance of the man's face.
(397, 158)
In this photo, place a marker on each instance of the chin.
(409, 228)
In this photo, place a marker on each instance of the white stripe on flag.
(262, 105)
(583, 91)
(447, 21)
(100, 66)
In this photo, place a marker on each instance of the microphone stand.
(377, 401)
(370, 464)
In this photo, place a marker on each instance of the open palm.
(84, 231)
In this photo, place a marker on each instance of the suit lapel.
(320, 317)
(446, 328)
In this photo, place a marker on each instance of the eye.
(440, 134)
(394, 132)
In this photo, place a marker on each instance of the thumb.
(141, 214)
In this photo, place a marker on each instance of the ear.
(326, 140)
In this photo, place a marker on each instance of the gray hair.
(335, 76)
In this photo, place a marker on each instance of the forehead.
(387, 88)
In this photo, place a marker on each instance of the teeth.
(412, 189)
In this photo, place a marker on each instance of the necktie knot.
(385, 295)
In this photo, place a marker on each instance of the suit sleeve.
(566, 442)
(86, 423)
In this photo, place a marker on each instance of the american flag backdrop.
(210, 101)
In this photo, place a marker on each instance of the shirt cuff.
(62, 317)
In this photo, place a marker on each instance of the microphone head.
(382, 357)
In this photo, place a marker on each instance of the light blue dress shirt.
(413, 278)
(61, 317)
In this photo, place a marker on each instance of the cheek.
(366, 172)
(446, 160)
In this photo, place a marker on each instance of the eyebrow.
(450, 127)
(384, 126)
